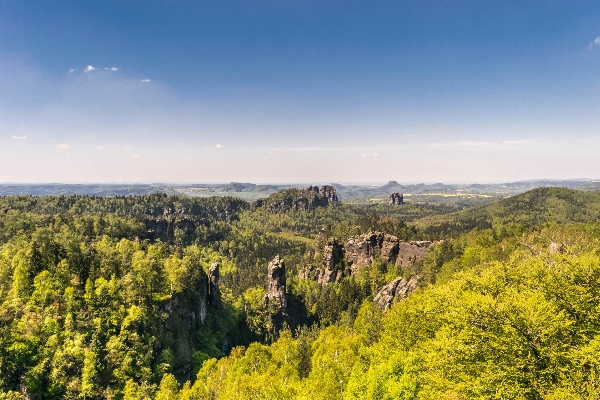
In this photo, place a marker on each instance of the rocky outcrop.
(411, 252)
(396, 199)
(214, 294)
(301, 199)
(185, 316)
(361, 250)
(185, 224)
(333, 255)
(329, 193)
(276, 284)
(555, 248)
(395, 291)
(332, 265)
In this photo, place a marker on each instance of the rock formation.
(395, 291)
(411, 252)
(185, 318)
(555, 248)
(276, 283)
(361, 250)
(214, 294)
(396, 199)
(329, 193)
(333, 254)
(300, 199)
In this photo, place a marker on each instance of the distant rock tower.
(396, 199)
(276, 283)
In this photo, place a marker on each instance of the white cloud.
(72, 70)
(18, 137)
(63, 146)
(89, 68)
(145, 80)
(115, 69)
(218, 146)
(369, 155)
(596, 42)
(135, 156)
(99, 147)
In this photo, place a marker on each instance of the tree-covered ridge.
(532, 208)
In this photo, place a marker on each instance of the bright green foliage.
(106, 298)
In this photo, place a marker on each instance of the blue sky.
(299, 91)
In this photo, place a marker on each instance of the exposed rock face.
(555, 248)
(185, 318)
(361, 250)
(185, 224)
(331, 269)
(155, 227)
(395, 291)
(411, 252)
(329, 193)
(214, 294)
(276, 283)
(396, 199)
(333, 254)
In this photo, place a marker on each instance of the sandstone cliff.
(395, 291)
(361, 250)
(411, 252)
(276, 284)
(214, 294)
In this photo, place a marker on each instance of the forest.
(162, 296)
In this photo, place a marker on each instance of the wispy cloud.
(63, 146)
(18, 137)
(145, 80)
(99, 147)
(72, 70)
(596, 42)
(135, 156)
(218, 146)
(89, 68)
(114, 69)
(364, 155)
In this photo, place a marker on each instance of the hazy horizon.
(268, 91)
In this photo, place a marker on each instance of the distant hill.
(531, 208)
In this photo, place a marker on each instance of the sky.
(299, 91)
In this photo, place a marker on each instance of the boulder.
(395, 291)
